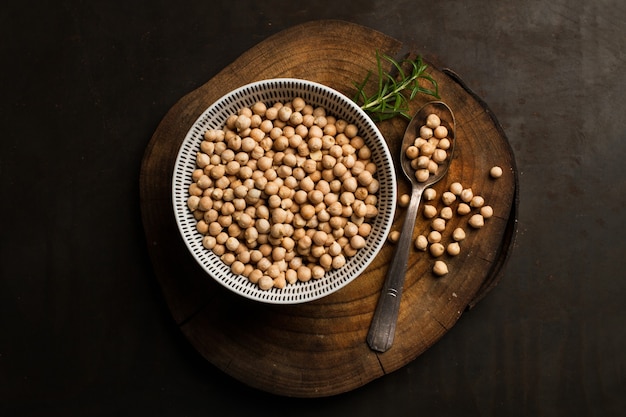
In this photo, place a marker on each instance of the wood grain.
(318, 348)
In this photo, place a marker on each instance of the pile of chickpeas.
(430, 148)
(284, 193)
(457, 200)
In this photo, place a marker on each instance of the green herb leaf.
(395, 88)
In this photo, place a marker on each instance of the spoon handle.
(383, 326)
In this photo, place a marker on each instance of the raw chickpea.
(372, 211)
(458, 234)
(259, 108)
(265, 282)
(193, 202)
(444, 144)
(412, 152)
(255, 276)
(237, 267)
(228, 258)
(348, 250)
(357, 241)
(422, 175)
(365, 229)
(280, 281)
(463, 209)
(350, 131)
(394, 236)
(194, 190)
(365, 178)
(350, 229)
(364, 152)
(284, 113)
(430, 211)
(432, 166)
(427, 149)
(466, 195)
(219, 250)
(440, 132)
(495, 172)
(446, 213)
(440, 268)
(426, 132)
(202, 160)
(326, 261)
(338, 261)
(434, 237)
(404, 199)
(439, 155)
(433, 121)
(209, 242)
(453, 249)
(456, 188)
(477, 201)
(421, 243)
(438, 224)
(476, 221)
(298, 104)
(437, 249)
(486, 211)
(430, 194)
(291, 276)
(448, 198)
(330, 129)
(317, 272)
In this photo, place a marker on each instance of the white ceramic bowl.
(269, 92)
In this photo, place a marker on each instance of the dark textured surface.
(84, 328)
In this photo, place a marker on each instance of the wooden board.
(318, 348)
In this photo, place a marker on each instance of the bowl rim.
(373, 135)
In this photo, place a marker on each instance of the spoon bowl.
(412, 132)
(382, 329)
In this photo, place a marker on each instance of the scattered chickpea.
(430, 211)
(495, 172)
(463, 209)
(456, 188)
(394, 236)
(458, 234)
(446, 213)
(453, 249)
(437, 249)
(434, 237)
(448, 198)
(430, 194)
(421, 243)
(477, 201)
(438, 224)
(440, 268)
(466, 195)
(433, 241)
(486, 211)
(476, 221)
(403, 200)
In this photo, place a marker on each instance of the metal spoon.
(383, 326)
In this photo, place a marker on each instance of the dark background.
(84, 329)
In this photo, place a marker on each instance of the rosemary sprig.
(395, 91)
